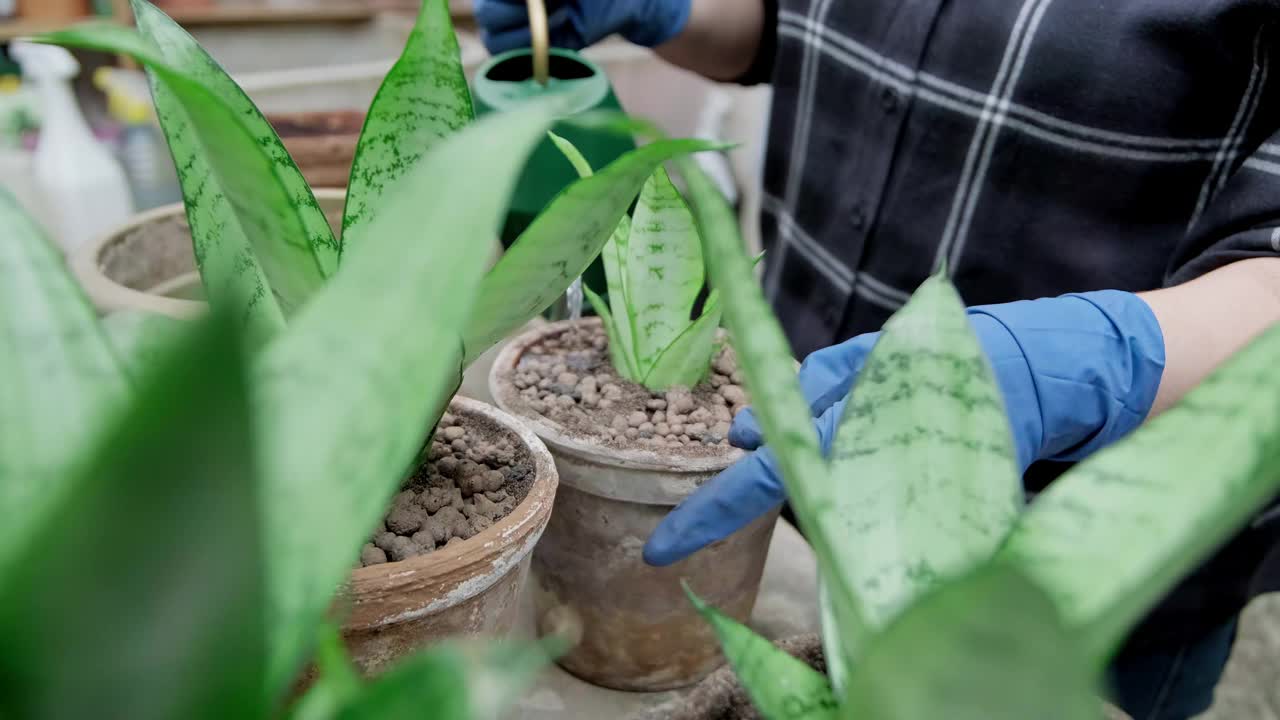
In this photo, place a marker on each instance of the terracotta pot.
(464, 589)
(639, 631)
(53, 9)
(322, 143)
(149, 265)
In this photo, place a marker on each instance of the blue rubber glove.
(575, 24)
(1077, 373)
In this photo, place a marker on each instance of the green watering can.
(508, 80)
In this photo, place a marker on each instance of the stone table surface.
(787, 606)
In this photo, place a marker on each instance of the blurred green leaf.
(423, 99)
(613, 256)
(562, 242)
(924, 485)
(141, 595)
(247, 167)
(352, 388)
(140, 339)
(989, 646)
(1110, 538)
(765, 358)
(781, 686)
(59, 379)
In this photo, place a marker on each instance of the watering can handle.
(541, 40)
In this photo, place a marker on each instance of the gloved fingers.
(497, 16)
(731, 500)
(827, 375)
(745, 431)
(506, 27)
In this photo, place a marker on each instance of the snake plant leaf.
(687, 360)
(781, 687)
(562, 242)
(252, 172)
(349, 394)
(139, 339)
(613, 258)
(925, 486)
(422, 99)
(1111, 537)
(989, 646)
(59, 378)
(572, 154)
(141, 597)
(304, 213)
(765, 357)
(664, 269)
(617, 347)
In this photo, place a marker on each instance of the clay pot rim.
(86, 265)
(381, 590)
(506, 396)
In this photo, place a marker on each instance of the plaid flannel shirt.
(1037, 147)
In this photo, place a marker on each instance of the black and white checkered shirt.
(1037, 146)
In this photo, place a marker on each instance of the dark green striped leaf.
(59, 379)
(765, 357)
(141, 594)
(423, 99)
(1110, 538)
(781, 687)
(924, 483)
(227, 155)
(563, 241)
(989, 646)
(348, 394)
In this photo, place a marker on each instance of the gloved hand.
(1077, 373)
(575, 24)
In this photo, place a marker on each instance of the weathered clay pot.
(639, 631)
(465, 589)
(148, 265)
(323, 144)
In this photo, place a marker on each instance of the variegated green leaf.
(562, 242)
(221, 139)
(141, 594)
(348, 396)
(617, 347)
(664, 271)
(424, 98)
(989, 646)
(59, 378)
(139, 339)
(573, 155)
(781, 686)
(687, 360)
(765, 356)
(924, 482)
(1111, 537)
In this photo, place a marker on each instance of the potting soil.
(569, 379)
(475, 475)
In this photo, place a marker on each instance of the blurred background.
(312, 66)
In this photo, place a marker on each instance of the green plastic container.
(505, 83)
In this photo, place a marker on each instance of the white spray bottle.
(83, 185)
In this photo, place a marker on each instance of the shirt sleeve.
(1241, 221)
(761, 70)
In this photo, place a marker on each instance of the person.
(1102, 181)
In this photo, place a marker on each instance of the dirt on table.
(475, 475)
(568, 379)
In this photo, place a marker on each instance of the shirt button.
(857, 218)
(889, 99)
